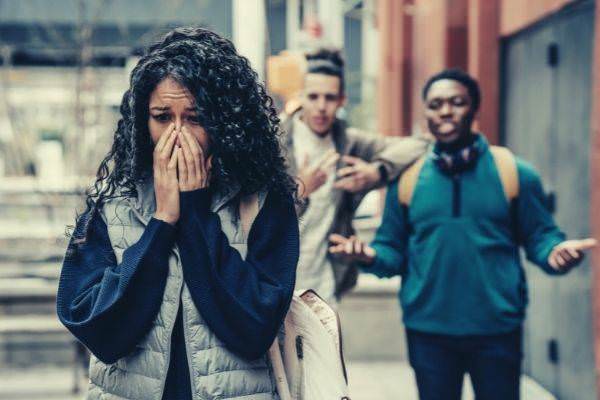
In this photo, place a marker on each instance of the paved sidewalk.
(368, 381)
(45, 383)
(395, 381)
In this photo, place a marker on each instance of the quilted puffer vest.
(215, 372)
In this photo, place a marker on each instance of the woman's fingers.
(162, 140)
(188, 158)
(183, 173)
(199, 159)
(167, 151)
(209, 169)
(172, 165)
(196, 156)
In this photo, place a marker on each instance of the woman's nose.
(178, 123)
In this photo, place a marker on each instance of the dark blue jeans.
(441, 361)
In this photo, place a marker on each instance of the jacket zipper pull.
(456, 206)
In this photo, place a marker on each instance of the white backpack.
(307, 360)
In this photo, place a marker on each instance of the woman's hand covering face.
(166, 185)
(193, 167)
(181, 162)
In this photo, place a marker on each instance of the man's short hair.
(460, 76)
(328, 62)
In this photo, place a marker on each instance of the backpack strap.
(249, 208)
(408, 181)
(506, 165)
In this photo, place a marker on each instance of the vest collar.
(145, 202)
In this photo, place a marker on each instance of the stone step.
(45, 270)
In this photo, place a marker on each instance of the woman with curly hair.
(172, 294)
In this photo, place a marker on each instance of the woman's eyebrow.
(165, 108)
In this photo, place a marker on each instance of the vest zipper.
(175, 252)
(456, 196)
(187, 349)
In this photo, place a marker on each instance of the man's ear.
(343, 100)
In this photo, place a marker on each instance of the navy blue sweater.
(110, 307)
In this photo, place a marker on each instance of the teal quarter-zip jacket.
(457, 248)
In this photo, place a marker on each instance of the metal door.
(546, 105)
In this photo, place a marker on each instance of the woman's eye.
(194, 119)
(161, 117)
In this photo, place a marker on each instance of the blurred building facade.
(64, 67)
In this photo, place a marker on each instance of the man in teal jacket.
(453, 233)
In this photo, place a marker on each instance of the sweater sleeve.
(391, 239)
(110, 306)
(243, 301)
(536, 228)
(394, 154)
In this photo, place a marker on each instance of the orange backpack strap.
(506, 164)
(408, 181)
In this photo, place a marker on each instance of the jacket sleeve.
(395, 154)
(109, 306)
(244, 301)
(391, 239)
(536, 228)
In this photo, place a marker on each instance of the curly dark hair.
(233, 108)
